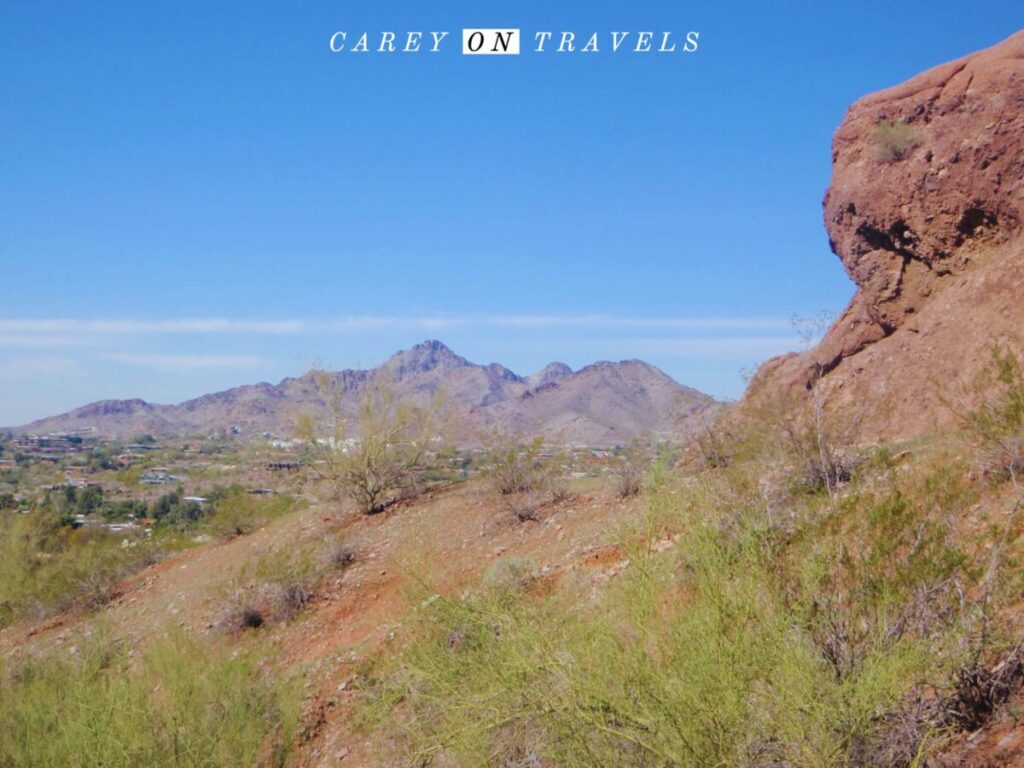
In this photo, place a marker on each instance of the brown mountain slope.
(924, 211)
(602, 404)
(612, 402)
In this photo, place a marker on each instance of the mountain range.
(605, 403)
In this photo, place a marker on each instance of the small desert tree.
(515, 464)
(798, 430)
(628, 469)
(997, 423)
(370, 445)
(713, 444)
(825, 462)
(523, 473)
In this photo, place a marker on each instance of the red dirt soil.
(446, 540)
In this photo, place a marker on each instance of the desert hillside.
(829, 574)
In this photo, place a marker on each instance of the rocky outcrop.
(425, 357)
(924, 210)
(549, 374)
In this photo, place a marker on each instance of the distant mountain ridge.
(604, 403)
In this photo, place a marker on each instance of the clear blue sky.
(196, 195)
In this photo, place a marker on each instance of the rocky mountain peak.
(549, 374)
(424, 357)
(499, 373)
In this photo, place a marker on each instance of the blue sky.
(197, 195)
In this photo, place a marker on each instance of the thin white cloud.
(728, 347)
(186, 363)
(615, 321)
(137, 326)
(369, 323)
(363, 323)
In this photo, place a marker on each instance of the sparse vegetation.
(526, 474)
(894, 139)
(786, 599)
(49, 562)
(234, 512)
(517, 465)
(339, 555)
(278, 586)
(239, 614)
(46, 566)
(801, 444)
(511, 573)
(629, 468)
(847, 636)
(996, 426)
(179, 704)
(524, 679)
(380, 454)
(712, 445)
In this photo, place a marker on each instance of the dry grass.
(894, 139)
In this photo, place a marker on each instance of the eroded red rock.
(924, 210)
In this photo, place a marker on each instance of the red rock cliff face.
(925, 211)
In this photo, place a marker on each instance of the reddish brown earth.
(444, 543)
(928, 226)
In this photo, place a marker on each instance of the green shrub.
(236, 512)
(46, 567)
(893, 139)
(997, 424)
(517, 465)
(512, 572)
(628, 469)
(181, 704)
(692, 659)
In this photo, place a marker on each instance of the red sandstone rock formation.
(924, 210)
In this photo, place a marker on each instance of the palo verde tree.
(369, 444)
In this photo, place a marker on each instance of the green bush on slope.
(46, 567)
(181, 704)
(742, 645)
